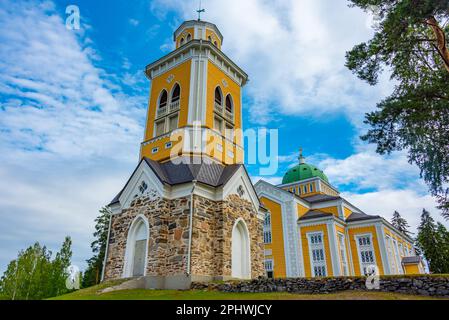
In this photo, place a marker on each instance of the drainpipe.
(190, 228)
(107, 246)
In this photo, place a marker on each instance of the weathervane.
(200, 11)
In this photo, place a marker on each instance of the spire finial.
(301, 158)
(200, 10)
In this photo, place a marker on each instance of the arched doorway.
(241, 268)
(136, 248)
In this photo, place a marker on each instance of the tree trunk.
(441, 45)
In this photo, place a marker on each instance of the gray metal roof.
(359, 216)
(411, 260)
(312, 214)
(321, 198)
(209, 173)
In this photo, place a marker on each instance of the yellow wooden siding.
(347, 212)
(214, 37)
(302, 210)
(184, 35)
(411, 269)
(215, 77)
(333, 210)
(181, 75)
(355, 254)
(277, 243)
(305, 248)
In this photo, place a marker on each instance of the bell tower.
(195, 104)
(189, 212)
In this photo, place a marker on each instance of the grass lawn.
(140, 294)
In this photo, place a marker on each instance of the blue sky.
(72, 105)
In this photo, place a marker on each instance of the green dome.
(303, 171)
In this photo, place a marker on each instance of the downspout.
(107, 245)
(189, 252)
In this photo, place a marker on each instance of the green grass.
(92, 293)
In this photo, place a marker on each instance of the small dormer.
(197, 30)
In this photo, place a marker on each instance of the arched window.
(215, 43)
(218, 96)
(163, 99)
(176, 93)
(209, 38)
(229, 106)
(182, 41)
(189, 37)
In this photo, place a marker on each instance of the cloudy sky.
(72, 105)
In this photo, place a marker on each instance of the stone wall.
(167, 246)
(169, 236)
(213, 223)
(429, 285)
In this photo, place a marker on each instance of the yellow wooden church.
(190, 212)
(311, 231)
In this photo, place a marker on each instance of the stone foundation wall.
(168, 242)
(213, 223)
(430, 285)
(169, 236)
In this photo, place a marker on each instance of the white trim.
(247, 273)
(333, 249)
(348, 246)
(105, 259)
(383, 248)
(343, 260)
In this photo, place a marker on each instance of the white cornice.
(191, 50)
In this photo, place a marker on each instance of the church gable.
(143, 183)
(240, 184)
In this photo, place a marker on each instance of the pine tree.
(400, 223)
(92, 275)
(410, 42)
(433, 241)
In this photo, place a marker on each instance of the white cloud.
(367, 169)
(65, 126)
(294, 52)
(408, 203)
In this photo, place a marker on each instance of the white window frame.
(272, 266)
(359, 252)
(267, 236)
(344, 257)
(317, 247)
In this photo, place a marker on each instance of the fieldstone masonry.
(213, 222)
(427, 285)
